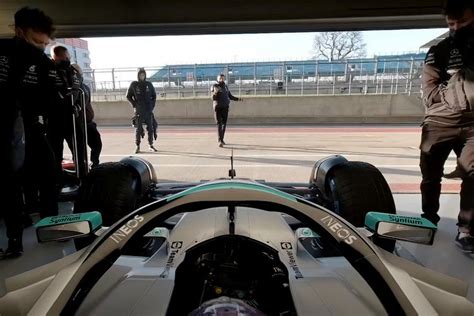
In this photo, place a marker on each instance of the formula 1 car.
(235, 247)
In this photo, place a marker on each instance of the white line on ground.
(237, 155)
(236, 165)
(204, 155)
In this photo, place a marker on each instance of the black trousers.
(39, 173)
(60, 130)
(13, 205)
(436, 144)
(147, 119)
(220, 115)
(12, 134)
(94, 141)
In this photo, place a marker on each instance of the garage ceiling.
(88, 18)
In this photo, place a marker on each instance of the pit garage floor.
(282, 154)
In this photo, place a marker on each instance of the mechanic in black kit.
(221, 97)
(60, 127)
(448, 97)
(94, 140)
(142, 96)
(27, 87)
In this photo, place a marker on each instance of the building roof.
(434, 41)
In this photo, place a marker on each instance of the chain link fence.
(364, 76)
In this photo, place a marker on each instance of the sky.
(135, 52)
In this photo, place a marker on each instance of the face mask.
(81, 79)
(64, 64)
(28, 45)
(462, 33)
(40, 48)
(36, 39)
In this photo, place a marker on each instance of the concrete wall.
(278, 109)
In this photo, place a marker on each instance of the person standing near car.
(142, 97)
(448, 97)
(221, 97)
(61, 124)
(94, 141)
(27, 86)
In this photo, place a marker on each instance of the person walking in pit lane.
(142, 97)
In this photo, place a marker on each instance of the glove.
(76, 109)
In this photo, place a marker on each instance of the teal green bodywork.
(373, 218)
(94, 219)
(233, 185)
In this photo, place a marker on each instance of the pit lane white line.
(237, 155)
(236, 165)
(209, 155)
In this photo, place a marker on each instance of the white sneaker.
(465, 242)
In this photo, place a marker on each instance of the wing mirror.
(404, 228)
(65, 227)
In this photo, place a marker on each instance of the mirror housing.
(404, 228)
(66, 227)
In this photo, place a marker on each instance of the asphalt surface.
(277, 153)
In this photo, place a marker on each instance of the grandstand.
(389, 74)
(280, 71)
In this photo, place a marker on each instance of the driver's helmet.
(225, 306)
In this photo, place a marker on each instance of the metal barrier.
(364, 76)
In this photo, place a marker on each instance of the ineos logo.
(126, 229)
(338, 229)
(286, 245)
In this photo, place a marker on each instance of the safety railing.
(362, 77)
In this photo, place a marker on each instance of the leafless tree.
(338, 45)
